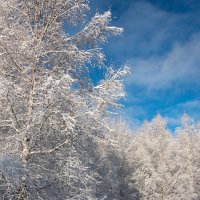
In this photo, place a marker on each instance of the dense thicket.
(57, 138)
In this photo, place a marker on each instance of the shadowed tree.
(114, 166)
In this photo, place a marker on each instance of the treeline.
(153, 163)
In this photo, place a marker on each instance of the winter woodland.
(58, 139)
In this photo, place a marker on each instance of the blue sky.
(161, 44)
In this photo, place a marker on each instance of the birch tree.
(47, 101)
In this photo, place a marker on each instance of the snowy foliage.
(43, 119)
(167, 167)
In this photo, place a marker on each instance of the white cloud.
(194, 104)
(159, 46)
(150, 30)
(180, 66)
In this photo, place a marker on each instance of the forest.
(60, 137)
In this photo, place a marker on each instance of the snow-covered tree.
(153, 161)
(167, 167)
(188, 159)
(48, 104)
(114, 166)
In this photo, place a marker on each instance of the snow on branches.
(43, 119)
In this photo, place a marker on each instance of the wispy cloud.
(150, 30)
(180, 66)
